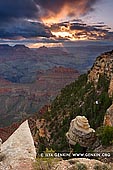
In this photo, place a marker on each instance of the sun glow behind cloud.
(56, 15)
(62, 15)
(62, 34)
(57, 11)
(68, 36)
(78, 30)
(53, 21)
(63, 20)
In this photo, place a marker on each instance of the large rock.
(80, 132)
(81, 163)
(19, 150)
(108, 118)
(102, 66)
(110, 90)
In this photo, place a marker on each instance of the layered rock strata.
(103, 65)
(80, 132)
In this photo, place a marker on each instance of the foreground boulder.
(19, 150)
(82, 164)
(80, 132)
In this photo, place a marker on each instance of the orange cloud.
(79, 31)
(52, 12)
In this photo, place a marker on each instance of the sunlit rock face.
(19, 150)
(102, 66)
(108, 118)
(80, 132)
(110, 90)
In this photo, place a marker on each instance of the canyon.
(19, 101)
(76, 105)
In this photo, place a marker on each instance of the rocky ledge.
(82, 164)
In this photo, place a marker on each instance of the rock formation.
(80, 132)
(19, 150)
(6, 132)
(0, 144)
(81, 163)
(102, 66)
(2, 156)
(108, 118)
(41, 127)
(110, 90)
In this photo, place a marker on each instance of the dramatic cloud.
(14, 9)
(75, 30)
(64, 31)
(27, 19)
(24, 29)
(64, 8)
(43, 9)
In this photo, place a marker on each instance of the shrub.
(81, 166)
(105, 134)
(97, 166)
(45, 163)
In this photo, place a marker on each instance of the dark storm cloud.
(14, 9)
(24, 29)
(77, 26)
(15, 20)
(89, 28)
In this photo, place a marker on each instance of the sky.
(52, 23)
